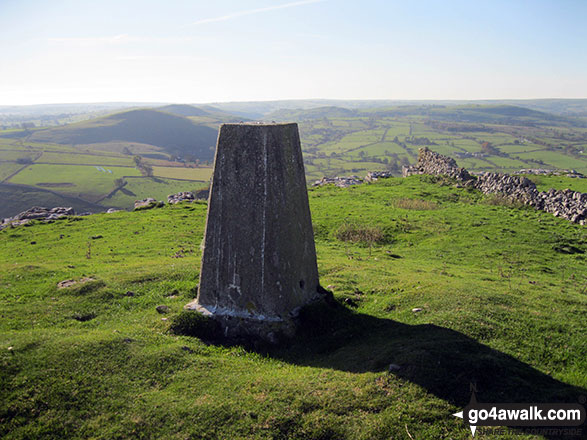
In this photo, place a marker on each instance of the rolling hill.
(312, 113)
(488, 114)
(167, 132)
(86, 159)
(183, 110)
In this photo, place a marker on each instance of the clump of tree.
(120, 182)
(419, 141)
(143, 167)
(27, 125)
(489, 149)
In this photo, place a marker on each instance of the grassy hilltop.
(502, 292)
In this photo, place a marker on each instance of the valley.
(93, 162)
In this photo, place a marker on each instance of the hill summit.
(176, 135)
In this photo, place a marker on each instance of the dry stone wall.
(571, 205)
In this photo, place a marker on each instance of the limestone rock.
(373, 176)
(571, 205)
(342, 182)
(36, 213)
(147, 203)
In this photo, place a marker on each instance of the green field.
(544, 183)
(138, 188)
(520, 138)
(520, 148)
(503, 305)
(16, 199)
(13, 155)
(72, 172)
(83, 159)
(200, 173)
(7, 169)
(85, 182)
(557, 160)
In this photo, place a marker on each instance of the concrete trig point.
(259, 261)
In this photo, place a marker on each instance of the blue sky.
(224, 50)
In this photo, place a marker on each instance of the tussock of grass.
(360, 233)
(416, 204)
(502, 200)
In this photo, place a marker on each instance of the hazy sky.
(223, 50)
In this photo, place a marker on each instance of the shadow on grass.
(127, 192)
(440, 360)
(443, 361)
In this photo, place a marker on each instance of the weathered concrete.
(259, 260)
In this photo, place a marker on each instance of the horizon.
(229, 51)
(422, 101)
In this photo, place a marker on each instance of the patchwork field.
(480, 146)
(84, 178)
(83, 181)
(335, 141)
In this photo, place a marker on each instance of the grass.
(142, 187)
(7, 169)
(544, 183)
(83, 181)
(502, 292)
(85, 159)
(417, 204)
(556, 160)
(16, 199)
(14, 155)
(200, 173)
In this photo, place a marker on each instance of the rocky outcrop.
(430, 162)
(184, 196)
(36, 213)
(373, 176)
(345, 182)
(342, 182)
(147, 203)
(571, 205)
(188, 196)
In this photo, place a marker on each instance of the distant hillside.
(314, 113)
(474, 113)
(261, 109)
(500, 114)
(487, 114)
(206, 111)
(183, 110)
(174, 134)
